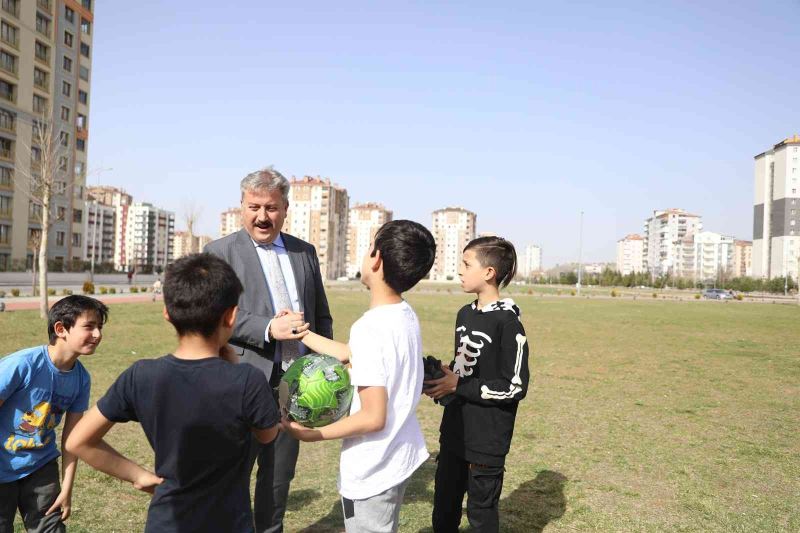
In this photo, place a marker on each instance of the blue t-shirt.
(35, 395)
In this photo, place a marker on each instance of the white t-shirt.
(386, 347)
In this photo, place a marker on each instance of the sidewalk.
(30, 302)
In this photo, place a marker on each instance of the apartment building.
(705, 256)
(776, 211)
(148, 238)
(184, 244)
(531, 261)
(363, 222)
(630, 254)
(453, 228)
(45, 73)
(230, 221)
(743, 258)
(318, 214)
(663, 235)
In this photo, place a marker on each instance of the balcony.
(45, 5)
(11, 7)
(7, 154)
(7, 213)
(8, 123)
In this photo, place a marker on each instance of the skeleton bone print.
(468, 351)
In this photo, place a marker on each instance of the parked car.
(717, 294)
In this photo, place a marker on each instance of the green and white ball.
(315, 390)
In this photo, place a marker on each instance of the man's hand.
(147, 482)
(442, 386)
(300, 432)
(63, 503)
(288, 326)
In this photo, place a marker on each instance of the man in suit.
(279, 272)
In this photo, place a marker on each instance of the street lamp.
(97, 171)
(580, 254)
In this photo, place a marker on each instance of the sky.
(526, 113)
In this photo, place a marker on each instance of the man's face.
(263, 213)
(85, 335)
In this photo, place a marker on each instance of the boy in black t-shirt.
(197, 410)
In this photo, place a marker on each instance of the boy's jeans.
(482, 483)
(377, 514)
(32, 495)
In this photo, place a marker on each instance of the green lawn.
(644, 415)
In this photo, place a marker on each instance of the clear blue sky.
(524, 112)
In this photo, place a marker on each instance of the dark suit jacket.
(255, 305)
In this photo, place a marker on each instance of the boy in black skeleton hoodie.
(488, 378)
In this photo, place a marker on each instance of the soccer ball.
(315, 390)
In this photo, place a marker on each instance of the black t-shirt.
(197, 416)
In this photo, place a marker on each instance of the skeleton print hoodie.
(491, 360)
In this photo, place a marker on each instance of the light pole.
(580, 255)
(97, 171)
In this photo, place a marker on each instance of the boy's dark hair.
(407, 251)
(68, 310)
(498, 253)
(198, 289)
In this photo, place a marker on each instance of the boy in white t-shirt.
(383, 443)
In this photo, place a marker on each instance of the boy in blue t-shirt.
(37, 387)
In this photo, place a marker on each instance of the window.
(40, 78)
(791, 222)
(67, 64)
(84, 50)
(9, 34)
(64, 136)
(5, 234)
(34, 211)
(63, 162)
(42, 52)
(79, 168)
(61, 212)
(77, 215)
(69, 15)
(83, 97)
(84, 73)
(87, 4)
(65, 113)
(5, 205)
(81, 122)
(36, 155)
(80, 145)
(66, 89)
(8, 62)
(60, 238)
(11, 6)
(39, 104)
(8, 121)
(86, 27)
(68, 39)
(6, 176)
(42, 24)
(76, 239)
(8, 91)
(6, 148)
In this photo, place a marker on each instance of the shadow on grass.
(419, 489)
(535, 503)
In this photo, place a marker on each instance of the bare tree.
(191, 214)
(47, 176)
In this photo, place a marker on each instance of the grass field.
(643, 415)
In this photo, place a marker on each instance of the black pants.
(32, 495)
(482, 484)
(276, 465)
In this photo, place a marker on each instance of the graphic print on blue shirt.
(35, 397)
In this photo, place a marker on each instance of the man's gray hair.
(266, 179)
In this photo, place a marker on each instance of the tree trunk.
(43, 307)
(35, 264)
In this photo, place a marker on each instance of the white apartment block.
(230, 221)
(363, 223)
(453, 228)
(663, 233)
(318, 213)
(149, 232)
(776, 211)
(742, 258)
(705, 256)
(120, 202)
(185, 244)
(630, 254)
(99, 228)
(531, 260)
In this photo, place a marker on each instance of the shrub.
(739, 297)
(614, 293)
(103, 290)
(51, 292)
(134, 290)
(112, 290)
(88, 287)
(572, 292)
(66, 292)
(655, 295)
(2, 294)
(14, 292)
(696, 296)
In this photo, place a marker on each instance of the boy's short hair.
(198, 289)
(407, 251)
(498, 253)
(68, 310)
